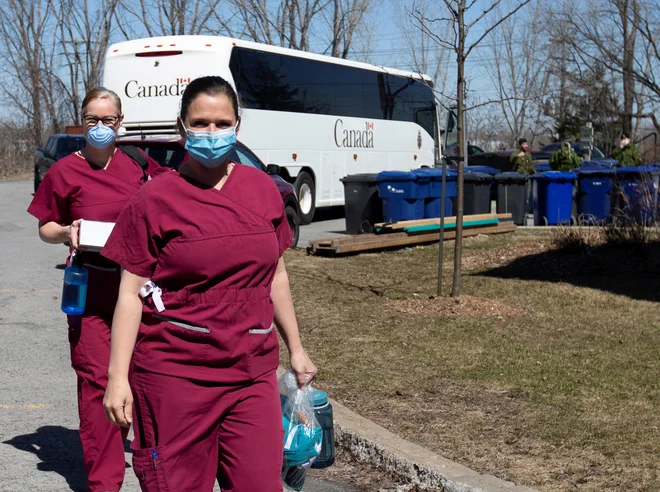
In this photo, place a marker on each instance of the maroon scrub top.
(74, 189)
(214, 254)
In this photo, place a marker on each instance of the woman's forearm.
(53, 233)
(285, 315)
(125, 326)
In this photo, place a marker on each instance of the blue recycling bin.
(637, 193)
(403, 195)
(594, 197)
(432, 202)
(553, 197)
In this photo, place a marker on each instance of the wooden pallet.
(378, 242)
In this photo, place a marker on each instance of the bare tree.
(293, 23)
(519, 72)
(24, 27)
(288, 25)
(426, 55)
(462, 48)
(84, 34)
(607, 32)
(54, 93)
(347, 16)
(174, 17)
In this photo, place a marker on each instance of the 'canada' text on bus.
(134, 89)
(354, 138)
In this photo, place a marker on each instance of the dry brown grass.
(545, 374)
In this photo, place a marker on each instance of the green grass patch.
(545, 373)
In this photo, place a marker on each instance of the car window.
(474, 150)
(551, 147)
(247, 158)
(66, 146)
(51, 147)
(596, 153)
(167, 154)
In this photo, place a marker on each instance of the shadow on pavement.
(328, 213)
(59, 450)
(634, 273)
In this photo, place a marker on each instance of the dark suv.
(169, 152)
(59, 145)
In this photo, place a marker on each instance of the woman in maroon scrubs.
(93, 184)
(202, 249)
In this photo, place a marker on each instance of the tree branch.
(494, 26)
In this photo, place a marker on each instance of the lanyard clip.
(151, 289)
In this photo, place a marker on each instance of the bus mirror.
(273, 169)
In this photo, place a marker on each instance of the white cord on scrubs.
(151, 289)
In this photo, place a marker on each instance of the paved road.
(39, 445)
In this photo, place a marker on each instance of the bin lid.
(360, 178)
(399, 176)
(481, 169)
(555, 176)
(511, 176)
(435, 173)
(638, 170)
(605, 171)
(477, 177)
(598, 164)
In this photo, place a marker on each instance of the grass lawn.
(546, 373)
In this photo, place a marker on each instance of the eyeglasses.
(94, 120)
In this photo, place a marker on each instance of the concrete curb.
(370, 443)
(376, 446)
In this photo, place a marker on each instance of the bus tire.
(294, 223)
(306, 193)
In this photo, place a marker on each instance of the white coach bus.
(319, 118)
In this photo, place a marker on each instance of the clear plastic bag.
(302, 432)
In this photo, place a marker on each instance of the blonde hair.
(101, 93)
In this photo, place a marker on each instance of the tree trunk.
(628, 9)
(462, 151)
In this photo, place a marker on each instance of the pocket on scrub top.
(150, 468)
(183, 327)
(262, 341)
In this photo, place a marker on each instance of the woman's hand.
(73, 233)
(303, 368)
(118, 402)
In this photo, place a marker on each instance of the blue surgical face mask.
(211, 149)
(100, 136)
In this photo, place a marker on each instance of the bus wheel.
(306, 194)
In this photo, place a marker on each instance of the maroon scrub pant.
(102, 442)
(188, 434)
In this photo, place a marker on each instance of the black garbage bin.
(477, 193)
(362, 205)
(512, 195)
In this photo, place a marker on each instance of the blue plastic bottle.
(74, 292)
(323, 413)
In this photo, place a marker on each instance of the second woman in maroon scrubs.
(93, 184)
(202, 248)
